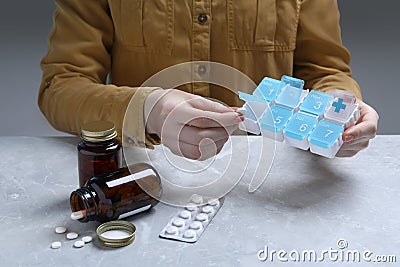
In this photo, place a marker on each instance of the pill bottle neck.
(83, 201)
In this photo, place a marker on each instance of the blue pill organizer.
(284, 111)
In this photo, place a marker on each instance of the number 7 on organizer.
(329, 132)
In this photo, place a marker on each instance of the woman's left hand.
(357, 137)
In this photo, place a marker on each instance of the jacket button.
(202, 18)
(202, 70)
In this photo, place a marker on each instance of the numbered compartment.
(326, 139)
(343, 109)
(316, 102)
(269, 89)
(298, 83)
(250, 122)
(298, 129)
(345, 95)
(291, 97)
(273, 122)
(255, 108)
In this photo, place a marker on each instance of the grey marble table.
(307, 203)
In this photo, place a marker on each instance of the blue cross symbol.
(339, 105)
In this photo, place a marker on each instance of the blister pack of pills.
(190, 222)
(284, 111)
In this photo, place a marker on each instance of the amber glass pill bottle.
(117, 194)
(99, 151)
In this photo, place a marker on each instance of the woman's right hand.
(189, 125)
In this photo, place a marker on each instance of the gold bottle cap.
(98, 131)
(125, 233)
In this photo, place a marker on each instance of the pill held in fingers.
(241, 111)
(78, 215)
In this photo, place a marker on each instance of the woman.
(133, 39)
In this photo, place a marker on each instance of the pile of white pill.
(70, 236)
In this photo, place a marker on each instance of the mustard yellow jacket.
(130, 40)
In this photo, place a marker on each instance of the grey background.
(369, 30)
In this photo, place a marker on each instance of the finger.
(215, 111)
(367, 126)
(194, 135)
(346, 153)
(194, 152)
(209, 119)
(184, 150)
(356, 142)
(185, 113)
(211, 151)
(231, 129)
(361, 130)
(204, 104)
(356, 146)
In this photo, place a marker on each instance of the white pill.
(185, 214)
(196, 225)
(72, 236)
(79, 244)
(87, 239)
(202, 217)
(78, 215)
(178, 222)
(207, 209)
(191, 207)
(241, 111)
(56, 245)
(171, 230)
(213, 202)
(197, 199)
(189, 234)
(60, 230)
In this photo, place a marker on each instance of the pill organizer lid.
(340, 115)
(345, 95)
(116, 225)
(250, 98)
(294, 127)
(325, 134)
(98, 131)
(276, 119)
(298, 83)
(289, 97)
(249, 112)
(269, 89)
(316, 102)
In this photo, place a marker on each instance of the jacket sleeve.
(73, 89)
(320, 57)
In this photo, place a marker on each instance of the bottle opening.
(83, 205)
